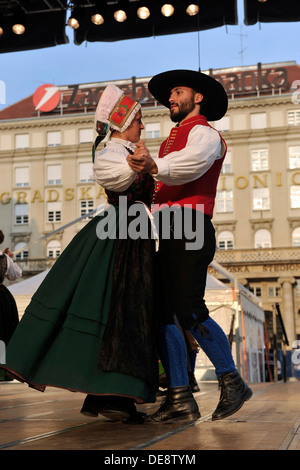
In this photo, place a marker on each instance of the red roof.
(19, 110)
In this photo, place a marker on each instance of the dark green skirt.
(59, 340)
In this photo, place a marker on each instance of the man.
(186, 174)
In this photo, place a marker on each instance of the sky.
(21, 73)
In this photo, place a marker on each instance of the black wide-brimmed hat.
(216, 103)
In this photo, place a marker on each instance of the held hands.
(141, 161)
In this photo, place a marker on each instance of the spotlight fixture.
(120, 14)
(143, 13)
(167, 9)
(18, 22)
(262, 1)
(192, 9)
(98, 13)
(76, 15)
(97, 18)
(1, 25)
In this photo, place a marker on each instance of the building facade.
(47, 182)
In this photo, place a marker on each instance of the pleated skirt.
(59, 338)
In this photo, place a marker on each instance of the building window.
(256, 291)
(22, 177)
(53, 212)
(226, 167)
(295, 197)
(261, 199)
(86, 172)
(53, 138)
(86, 136)
(273, 291)
(53, 249)
(296, 237)
(152, 130)
(225, 240)
(297, 288)
(54, 174)
(224, 200)
(22, 141)
(259, 159)
(262, 239)
(21, 214)
(294, 157)
(23, 254)
(223, 124)
(258, 121)
(293, 117)
(86, 206)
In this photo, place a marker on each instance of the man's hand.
(141, 161)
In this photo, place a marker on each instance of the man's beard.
(182, 110)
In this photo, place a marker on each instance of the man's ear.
(198, 98)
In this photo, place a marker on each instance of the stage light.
(97, 18)
(143, 12)
(1, 25)
(192, 9)
(120, 14)
(18, 22)
(98, 13)
(76, 15)
(167, 9)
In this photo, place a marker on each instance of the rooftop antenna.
(198, 36)
(241, 35)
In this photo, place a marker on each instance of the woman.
(90, 325)
(9, 317)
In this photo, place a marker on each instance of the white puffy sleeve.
(203, 147)
(13, 270)
(111, 169)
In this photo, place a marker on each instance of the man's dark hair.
(1, 236)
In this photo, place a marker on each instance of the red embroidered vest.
(200, 191)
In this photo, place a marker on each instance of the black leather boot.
(234, 393)
(179, 405)
(193, 382)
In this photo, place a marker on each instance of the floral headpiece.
(115, 110)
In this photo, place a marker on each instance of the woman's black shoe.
(113, 407)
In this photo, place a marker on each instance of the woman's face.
(133, 132)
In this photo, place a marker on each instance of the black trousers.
(180, 272)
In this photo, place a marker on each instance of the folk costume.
(9, 317)
(90, 325)
(189, 165)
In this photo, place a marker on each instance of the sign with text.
(238, 83)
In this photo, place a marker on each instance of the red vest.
(200, 191)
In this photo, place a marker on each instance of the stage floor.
(32, 420)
